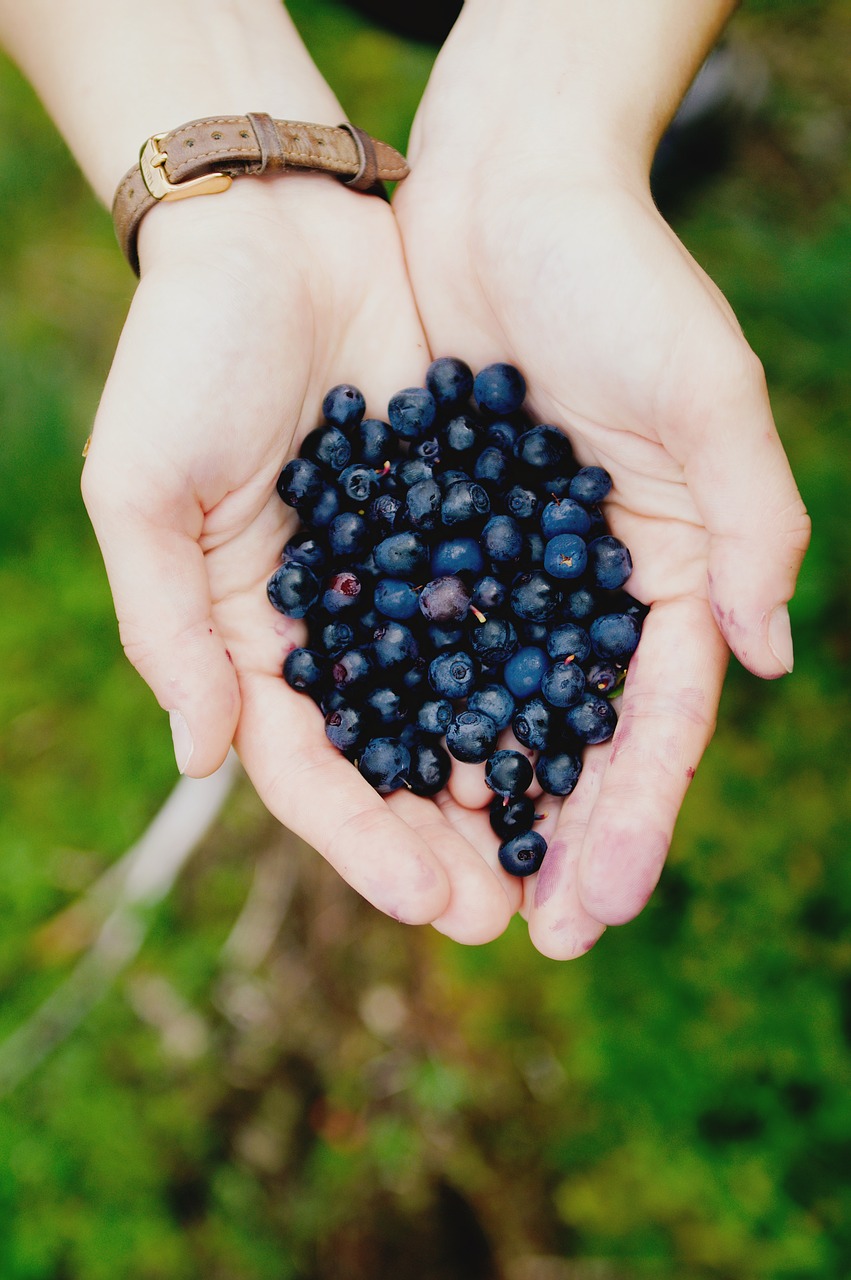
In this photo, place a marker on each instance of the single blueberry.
(305, 671)
(402, 555)
(522, 855)
(422, 505)
(558, 772)
(396, 599)
(359, 484)
(328, 447)
(508, 773)
(445, 600)
(544, 448)
(341, 591)
(564, 516)
(336, 637)
(471, 736)
(524, 671)
(430, 769)
(532, 724)
(493, 641)
(463, 502)
(488, 593)
(395, 646)
(441, 636)
(374, 442)
(343, 406)
(535, 597)
(300, 481)
(609, 561)
(592, 719)
(495, 701)
(385, 763)
(503, 434)
(352, 672)
(457, 555)
(502, 539)
(305, 548)
(345, 727)
(615, 636)
(499, 389)
(563, 684)
(580, 604)
(491, 469)
(348, 535)
(565, 556)
(452, 674)
(569, 641)
(292, 589)
(385, 709)
(522, 503)
(462, 437)
(450, 381)
(412, 412)
(433, 716)
(602, 677)
(590, 485)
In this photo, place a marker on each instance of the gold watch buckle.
(151, 162)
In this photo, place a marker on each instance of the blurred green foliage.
(365, 1099)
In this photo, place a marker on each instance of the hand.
(250, 307)
(626, 343)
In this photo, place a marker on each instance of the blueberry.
(493, 641)
(495, 701)
(450, 381)
(563, 684)
(488, 593)
(422, 505)
(352, 672)
(534, 550)
(345, 727)
(336, 637)
(385, 763)
(412, 412)
(444, 636)
(508, 774)
(410, 471)
(615, 636)
(463, 502)
(415, 676)
(385, 708)
(343, 406)
(341, 591)
(532, 724)
(300, 481)
(320, 511)
(524, 671)
(374, 442)
(428, 449)
(565, 556)
(609, 561)
(328, 447)
(402, 555)
(462, 437)
(558, 772)
(503, 434)
(396, 599)
(569, 641)
(579, 604)
(491, 469)
(359, 484)
(535, 597)
(382, 514)
(292, 589)
(564, 516)
(452, 674)
(544, 448)
(305, 548)
(394, 646)
(502, 539)
(512, 819)
(499, 389)
(602, 677)
(590, 485)
(457, 555)
(592, 719)
(430, 769)
(445, 600)
(348, 535)
(305, 671)
(522, 503)
(522, 855)
(433, 716)
(471, 737)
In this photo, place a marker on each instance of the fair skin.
(252, 304)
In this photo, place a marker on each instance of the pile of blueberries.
(457, 578)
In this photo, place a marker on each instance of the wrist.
(595, 83)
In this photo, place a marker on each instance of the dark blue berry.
(502, 539)
(508, 773)
(385, 708)
(343, 406)
(345, 727)
(359, 484)
(522, 855)
(395, 646)
(493, 641)
(495, 701)
(433, 716)
(532, 724)
(615, 636)
(463, 502)
(565, 556)
(450, 381)
(499, 389)
(524, 671)
(512, 819)
(471, 737)
(348, 535)
(452, 674)
(292, 589)
(305, 671)
(396, 599)
(385, 763)
(445, 600)
(564, 516)
(462, 437)
(535, 597)
(522, 503)
(300, 481)
(402, 555)
(491, 469)
(422, 505)
(563, 684)
(602, 677)
(544, 448)
(327, 446)
(590, 485)
(412, 412)
(558, 772)
(609, 561)
(374, 442)
(352, 671)
(305, 548)
(592, 719)
(430, 769)
(341, 591)
(488, 593)
(336, 637)
(457, 555)
(569, 641)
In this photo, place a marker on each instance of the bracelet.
(204, 156)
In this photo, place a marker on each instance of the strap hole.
(216, 135)
(243, 133)
(190, 142)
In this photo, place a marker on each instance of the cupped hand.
(568, 271)
(251, 305)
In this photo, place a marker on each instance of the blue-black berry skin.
(306, 549)
(569, 640)
(305, 671)
(385, 708)
(524, 671)
(590, 485)
(462, 438)
(508, 774)
(535, 597)
(532, 724)
(558, 772)
(471, 737)
(564, 516)
(374, 442)
(385, 763)
(345, 728)
(522, 503)
(292, 589)
(452, 674)
(495, 701)
(543, 448)
(395, 646)
(300, 481)
(396, 599)
(522, 855)
(348, 535)
(327, 446)
(353, 671)
(342, 592)
(450, 382)
(434, 716)
(445, 600)
(463, 502)
(493, 641)
(602, 677)
(609, 561)
(512, 819)
(563, 684)
(336, 637)
(402, 555)
(429, 770)
(615, 636)
(565, 556)
(343, 406)
(592, 719)
(457, 555)
(422, 505)
(502, 540)
(499, 389)
(492, 469)
(412, 413)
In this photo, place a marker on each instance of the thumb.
(159, 585)
(759, 529)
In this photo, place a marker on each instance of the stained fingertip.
(618, 873)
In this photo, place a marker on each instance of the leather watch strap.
(202, 157)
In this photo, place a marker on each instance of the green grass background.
(365, 1099)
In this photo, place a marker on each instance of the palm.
(243, 357)
(622, 339)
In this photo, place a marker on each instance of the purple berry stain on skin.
(548, 876)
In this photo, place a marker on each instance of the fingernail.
(780, 637)
(182, 738)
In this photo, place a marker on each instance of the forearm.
(111, 73)
(609, 72)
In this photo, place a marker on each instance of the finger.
(667, 718)
(159, 584)
(739, 476)
(316, 792)
(559, 925)
(479, 909)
